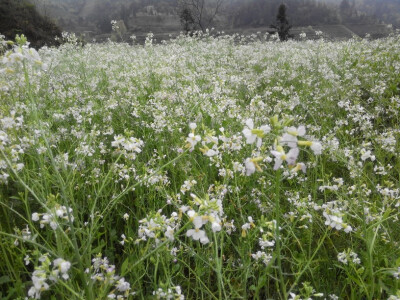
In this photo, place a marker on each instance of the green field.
(201, 168)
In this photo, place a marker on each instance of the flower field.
(200, 168)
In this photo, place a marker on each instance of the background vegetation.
(21, 16)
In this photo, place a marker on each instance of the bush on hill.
(21, 17)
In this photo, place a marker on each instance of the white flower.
(347, 228)
(298, 167)
(123, 239)
(192, 140)
(169, 233)
(39, 284)
(211, 152)
(250, 167)
(246, 226)
(132, 145)
(198, 222)
(290, 137)
(60, 212)
(196, 233)
(265, 243)
(191, 213)
(118, 140)
(122, 285)
(264, 257)
(35, 217)
(316, 147)
(255, 134)
(300, 131)
(281, 156)
(62, 266)
(215, 226)
(365, 154)
(335, 221)
(288, 140)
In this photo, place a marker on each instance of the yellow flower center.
(304, 143)
(258, 132)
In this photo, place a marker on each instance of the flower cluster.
(10, 144)
(266, 241)
(348, 256)
(334, 217)
(306, 292)
(52, 218)
(45, 272)
(255, 134)
(289, 138)
(129, 147)
(21, 55)
(172, 293)
(192, 139)
(158, 227)
(25, 234)
(209, 210)
(187, 185)
(103, 273)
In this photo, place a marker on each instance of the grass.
(202, 168)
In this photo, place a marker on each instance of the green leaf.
(124, 265)
(4, 279)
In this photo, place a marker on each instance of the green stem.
(218, 268)
(277, 234)
(308, 262)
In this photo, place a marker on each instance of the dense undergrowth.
(204, 168)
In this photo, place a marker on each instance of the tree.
(187, 20)
(345, 6)
(282, 24)
(203, 12)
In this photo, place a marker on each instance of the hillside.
(387, 11)
(91, 18)
(21, 16)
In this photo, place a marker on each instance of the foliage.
(187, 20)
(203, 13)
(20, 16)
(282, 24)
(204, 168)
(387, 11)
(301, 13)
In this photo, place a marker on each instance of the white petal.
(301, 130)
(250, 123)
(190, 232)
(259, 142)
(265, 128)
(198, 222)
(278, 163)
(277, 154)
(250, 167)
(251, 139)
(216, 227)
(316, 147)
(292, 156)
